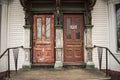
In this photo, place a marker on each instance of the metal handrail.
(113, 56)
(100, 63)
(8, 50)
(3, 53)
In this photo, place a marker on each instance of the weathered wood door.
(73, 38)
(43, 39)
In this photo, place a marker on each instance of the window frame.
(112, 26)
(117, 27)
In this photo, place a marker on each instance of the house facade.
(59, 32)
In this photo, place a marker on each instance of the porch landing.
(64, 74)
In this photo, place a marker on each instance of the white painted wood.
(59, 48)
(27, 48)
(100, 31)
(16, 33)
(112, 26)
(113, 35)
(85, 51)
(104, 31)
(89, 48)
(3, 61)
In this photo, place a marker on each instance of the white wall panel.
(100, 34)
(16, 30)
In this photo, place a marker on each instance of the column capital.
(89, 47)
(28, 26)
(58, 26)
(89, 26)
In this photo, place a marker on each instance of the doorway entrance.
(73, 38)
(43, 38)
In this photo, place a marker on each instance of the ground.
(64, 74)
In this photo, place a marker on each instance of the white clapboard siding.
(100, 34)
(113, 63)
(16, 30)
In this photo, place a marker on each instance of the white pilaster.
(59, 49)
(89, 47)
(27, 64)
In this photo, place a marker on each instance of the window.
(118, 24)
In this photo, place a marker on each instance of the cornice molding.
(91, 4)
(26, 4)
(22, 3)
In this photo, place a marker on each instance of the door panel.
(43, 39)
(73, 38)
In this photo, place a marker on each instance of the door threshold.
(42, 65)
(74, 65)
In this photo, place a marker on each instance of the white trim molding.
(113, 65)
(112, 25)
(4, 22)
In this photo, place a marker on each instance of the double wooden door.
(73, 38)
(43, 38)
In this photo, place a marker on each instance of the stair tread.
(64, 74)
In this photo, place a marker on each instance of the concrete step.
(43, 66)
(64, 74)
(65, 65)
(70, 65)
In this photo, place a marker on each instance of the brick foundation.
(114, 75)
(3, 75)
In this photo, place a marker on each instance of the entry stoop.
(64, 74)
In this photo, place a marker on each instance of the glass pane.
(78, 28)
(68, 35)
(48, 21)
(39, 27)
